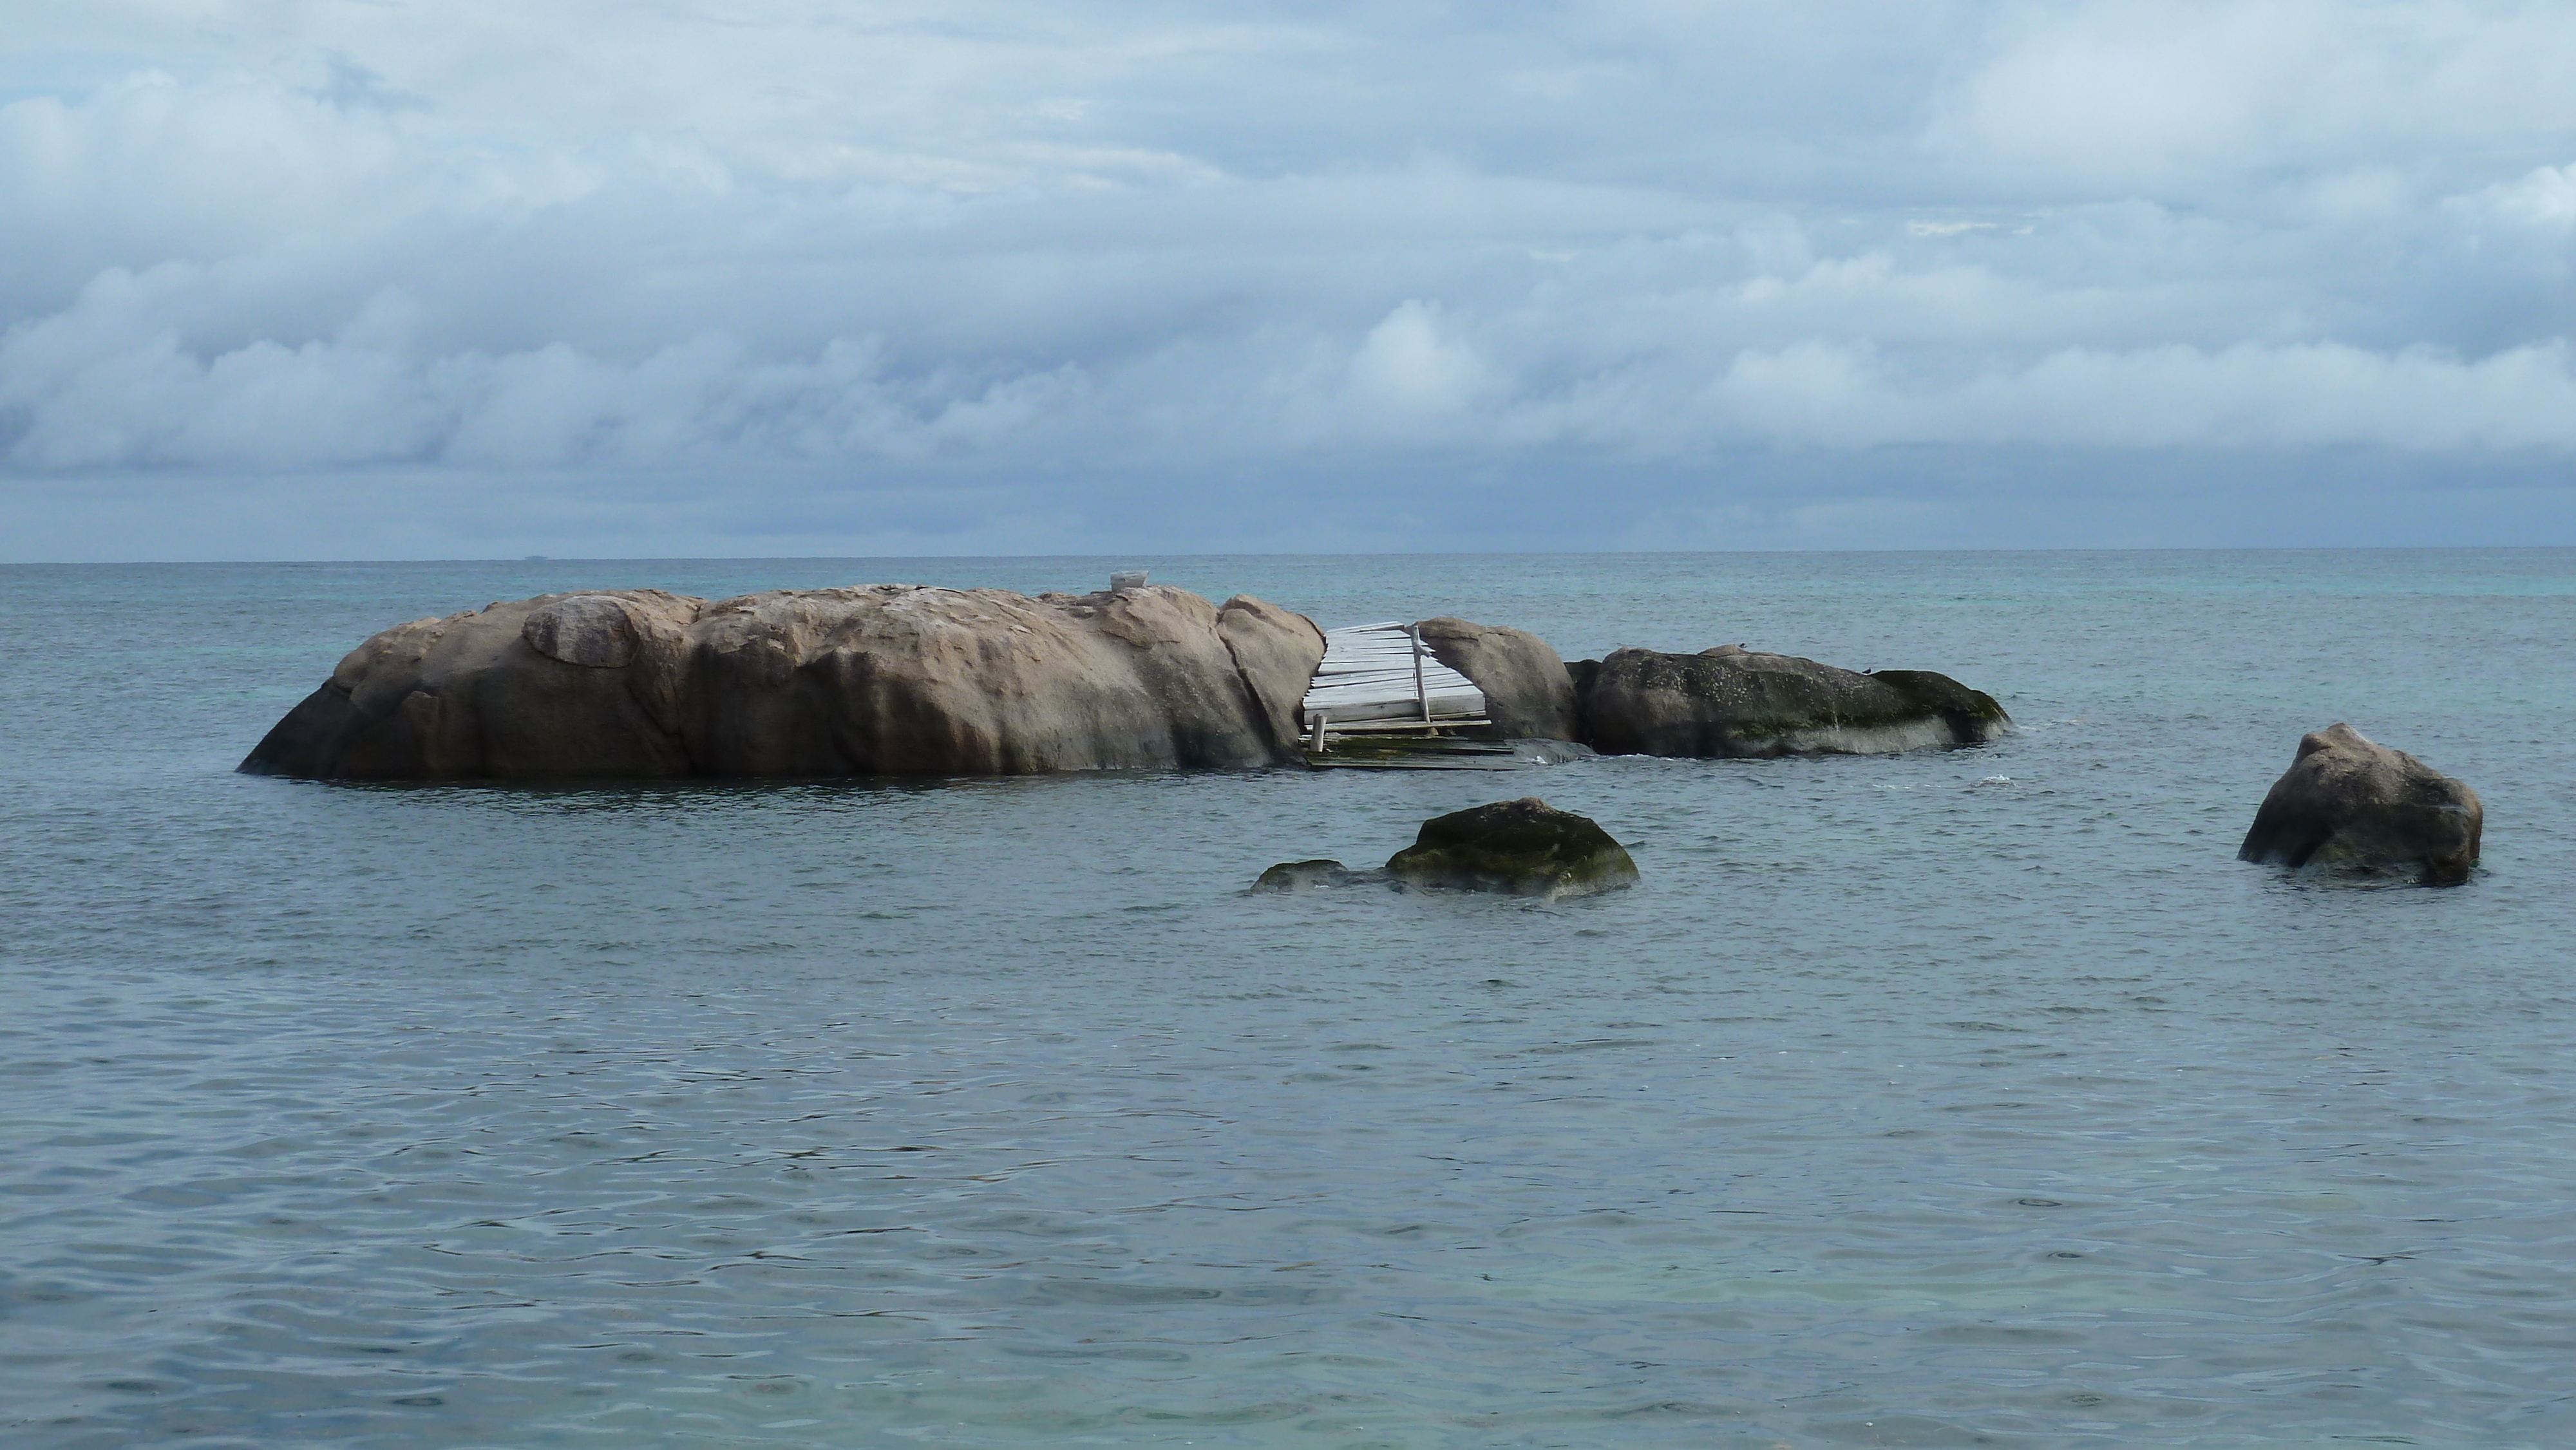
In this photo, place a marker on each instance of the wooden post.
(1421, 696)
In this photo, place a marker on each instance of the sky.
(462, 278)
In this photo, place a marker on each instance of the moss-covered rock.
(1731, 701)
(1303, 876)
(1524, 847)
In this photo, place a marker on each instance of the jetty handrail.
(1421, 696)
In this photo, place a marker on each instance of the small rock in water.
(1524, 847)
(1303, 876)
(2349, 802)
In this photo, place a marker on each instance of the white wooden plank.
(1378, 672)
(1442, 711)
(1403, 685)
(1442, 683)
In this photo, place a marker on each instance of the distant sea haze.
(1957, 1096)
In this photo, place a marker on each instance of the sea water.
(1975, 1097)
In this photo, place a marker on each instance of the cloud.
(1037, 256)
(1406, 371)
(106, 384)
(2243, 396)
(2107, 99)
(2544, 201)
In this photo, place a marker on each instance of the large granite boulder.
(1524, 847)
(885, 679)
(1732, 701)
(1528, 694)
(2349, 802)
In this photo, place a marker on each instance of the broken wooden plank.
(1383, 672)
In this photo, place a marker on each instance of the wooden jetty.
(1381, 700)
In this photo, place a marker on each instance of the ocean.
(1959, 1098)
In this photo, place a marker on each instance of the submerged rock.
(1528, 693)
(2349, 802)
(1304, 876)
(886, 679)
(1525, 847)
(1732, 701)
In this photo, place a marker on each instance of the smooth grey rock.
(1524, 847)
(1276, 652)
(583, 629)
(2349, 802)
(885, 679)
(1731, 701)
(1528, 693)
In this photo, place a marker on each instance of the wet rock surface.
(1733, 701)
(2350, 803)
(1304, 876)
(1524, 847)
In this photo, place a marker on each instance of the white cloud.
(2102, 99)
(1406, 370)
(2243, 396)
(2545, 198)
(993, 243)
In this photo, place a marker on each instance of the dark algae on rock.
(2348, 802)
(1303, 876)
(1524, 847)
(1732, 701)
